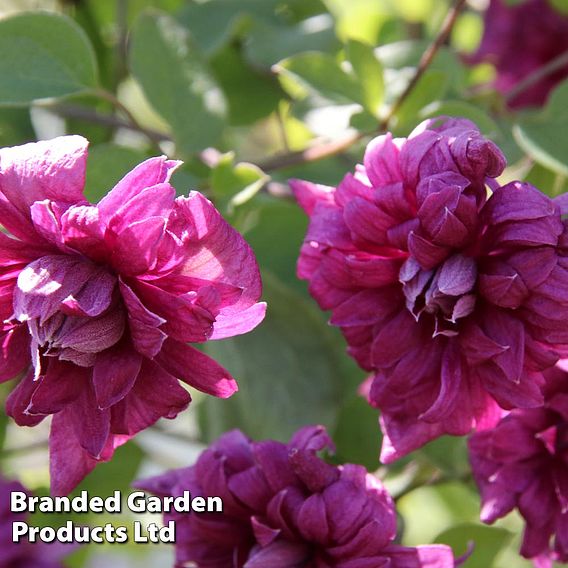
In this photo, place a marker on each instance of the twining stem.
(426, 59)
(536, 76)
(329, 149)
(89, 115)
(288, 159)
(113, 100)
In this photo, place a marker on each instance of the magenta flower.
(284, 507)
(453, 300)
(520, 39)
(24, 554)
(523, 463)
(99, 302)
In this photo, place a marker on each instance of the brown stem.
(426, 59)
(112, 99)
(322, 151)
(88, 115)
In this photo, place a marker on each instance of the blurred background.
(246, 92)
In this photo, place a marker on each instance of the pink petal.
(114, 373)
(148, 173)
(60, 386)
(215, 251)
(52, 169)
(155, 201)
(15, 354)
(308, 194)
(145, 332)
(18, 402)
(135, 250)
(82, 230)
(196, 369)
(156, 394)
(231, 325)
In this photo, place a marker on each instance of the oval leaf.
(177, 81)
(43, 55)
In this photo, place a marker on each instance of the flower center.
(72, 309)
(446, 292)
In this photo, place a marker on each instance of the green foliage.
(323, 74)
(357, 436)
(431, 87)
(546, 180)
(487, 542)
(229, 85)
(369, 75)
(234, 185)
(15, 126)
(177, 81)
(543, 135)
(251, 95)
(560, 5)
(288, 370)
(464, 110)
(43, 55)
(268, 44)
(106, 165)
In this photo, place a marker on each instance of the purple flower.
(100, 301)
(453, 300)
(520, 39)
(523, 463)
(284, 507)
(24, 554)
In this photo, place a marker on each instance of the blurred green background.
(236, 88)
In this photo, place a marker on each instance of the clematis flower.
(99, 302)
(285, 507)
(523, 463)
(455, 301)
(520, 39)
(24, 554)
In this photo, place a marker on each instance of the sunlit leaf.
(177, 81)
(43, 55)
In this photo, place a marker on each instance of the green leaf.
(278, 217)
(214, 22)
(357, 436)
(464, 110)
(15, 126)
(43, 55)
(250, 94)
(401, 58)
(543, 135)
(288, 369)
(547, 181)
(322, 74)
(560, 5)
(106, 165)
(177, 81)
(363, 20)
(3, 427)
(449, 454)
(487, 541)
(431, 87)
(269, 44)
(234, 185)
(369, 72)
